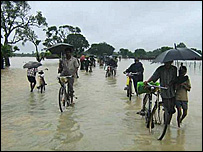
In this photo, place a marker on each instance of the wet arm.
(187, 85)
(154, 77)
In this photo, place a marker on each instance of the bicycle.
(157, 114)
(109, 71)
(129, 84)
(64, 92)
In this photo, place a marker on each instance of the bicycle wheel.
(153, 117)
(147, 106)
(167, 116)
(62, 99)
(159, 114)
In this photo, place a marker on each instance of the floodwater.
(102, 118)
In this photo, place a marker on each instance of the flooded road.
(102, 118)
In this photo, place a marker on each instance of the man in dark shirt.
(113, 63)
(167, 74)
(134, 68)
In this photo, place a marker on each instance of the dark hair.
(136, 59)
(184, 68)
(68, 50)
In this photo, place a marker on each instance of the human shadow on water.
(67, 133)
(36, 103)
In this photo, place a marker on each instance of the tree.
(181, 45)
(15, 20)
(140, 53)
(58, 35)
(100, 49)
(78, 41)
(6, 52)
(30, 35)
(125, 53)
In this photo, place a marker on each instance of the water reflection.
(36, 103)
(103, 118)
(111, 81)
(67, 133)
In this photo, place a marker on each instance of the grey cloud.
(128, 24)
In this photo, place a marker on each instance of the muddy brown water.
(102, 118)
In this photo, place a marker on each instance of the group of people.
(31, 74)
(86, 63)
(178, 85)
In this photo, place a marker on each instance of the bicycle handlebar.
(131, 73)
(150, 85)
(64, 79)
(70, 76)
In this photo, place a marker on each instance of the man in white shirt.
(69, 66)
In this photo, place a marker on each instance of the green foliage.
(7, 50)
(140, 53)
(181, 45)
(58, 35)
(78, 41)
(16, 24)
(100, 49)
(15, 20)
(125, 53)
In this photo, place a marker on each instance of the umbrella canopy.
(32, 64)
(59, 48)
(177, 54)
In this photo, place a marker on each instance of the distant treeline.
(24, 55)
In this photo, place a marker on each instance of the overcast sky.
(126, 24)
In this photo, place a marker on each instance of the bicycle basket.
(142, 89)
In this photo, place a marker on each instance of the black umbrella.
(59, 48)
(177, 54)
(32, 64)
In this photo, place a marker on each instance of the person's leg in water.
(114, 70)
(31, 87)
(34, 83)
(86, 68)
(70, 85)
(44, 81)
(185, 107)
(135, 85)
(179, 115)
(169, 104)
(90, 69)
(178, 107)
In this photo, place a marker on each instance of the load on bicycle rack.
(154, 113)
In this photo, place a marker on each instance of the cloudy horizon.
(126, 24)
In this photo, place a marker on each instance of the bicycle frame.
(148, 110)
(151, 113)
(64, 91)
(129, 84)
